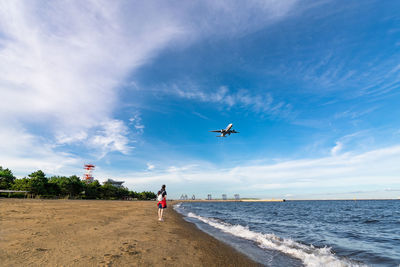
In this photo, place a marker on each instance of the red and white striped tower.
(87, 177)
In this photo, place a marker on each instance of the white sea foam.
(310, 255)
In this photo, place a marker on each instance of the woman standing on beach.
(162, 202)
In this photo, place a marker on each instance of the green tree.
(52, 187)
(6, 178)
(122, 192)
(23, 184)
(92, 190)
(76, 185)
(62, 184)
(38, 183)
(68, 186)
(149, 195)
(108, 191)
(146, 195)
(133, 194)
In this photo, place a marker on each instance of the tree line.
(40, 186)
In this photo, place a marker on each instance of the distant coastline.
(278, 200)
(232, 200)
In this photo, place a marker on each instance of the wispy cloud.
(150, 166)
(200, 115)
(361, 141)
(226, 18)
(61, 63)
(24, 153)
(328, 72)
(259, 103)
(354, 114)
(337, 148)
(330, 174)
(136, 121)
(112, 137)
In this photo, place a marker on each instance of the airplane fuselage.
(228, 127)
(227, 131)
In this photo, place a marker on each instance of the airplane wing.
(216, 131)
(233, 131)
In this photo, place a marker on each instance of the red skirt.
(163, 204)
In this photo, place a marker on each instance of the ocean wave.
(310, 255)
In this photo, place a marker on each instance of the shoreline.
(105, 233)
(231, 200)
(282, 200)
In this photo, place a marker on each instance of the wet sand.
(104, 233)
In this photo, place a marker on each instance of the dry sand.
(104, 233)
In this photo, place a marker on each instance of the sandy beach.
(104, 233)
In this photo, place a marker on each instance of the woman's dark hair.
(163, 186)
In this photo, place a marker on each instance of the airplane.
(226, 131)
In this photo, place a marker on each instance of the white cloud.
(243, 98)
(24, 153)
(72, 57)
(335, 73)
(178, 170)
(63, 138)
(352, 114)
(150, 166)
(61, 62)
(111, 137)
(330, 174)
(337, 148)
(225, 18)
(136, 121)
(359, 139)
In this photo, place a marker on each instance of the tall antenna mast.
(87, 177)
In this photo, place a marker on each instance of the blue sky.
(134, 88)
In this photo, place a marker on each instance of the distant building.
(117, 184)
(184, 197)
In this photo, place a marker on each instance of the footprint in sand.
(129, 249)
(108, 259)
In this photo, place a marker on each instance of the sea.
(304, 233)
